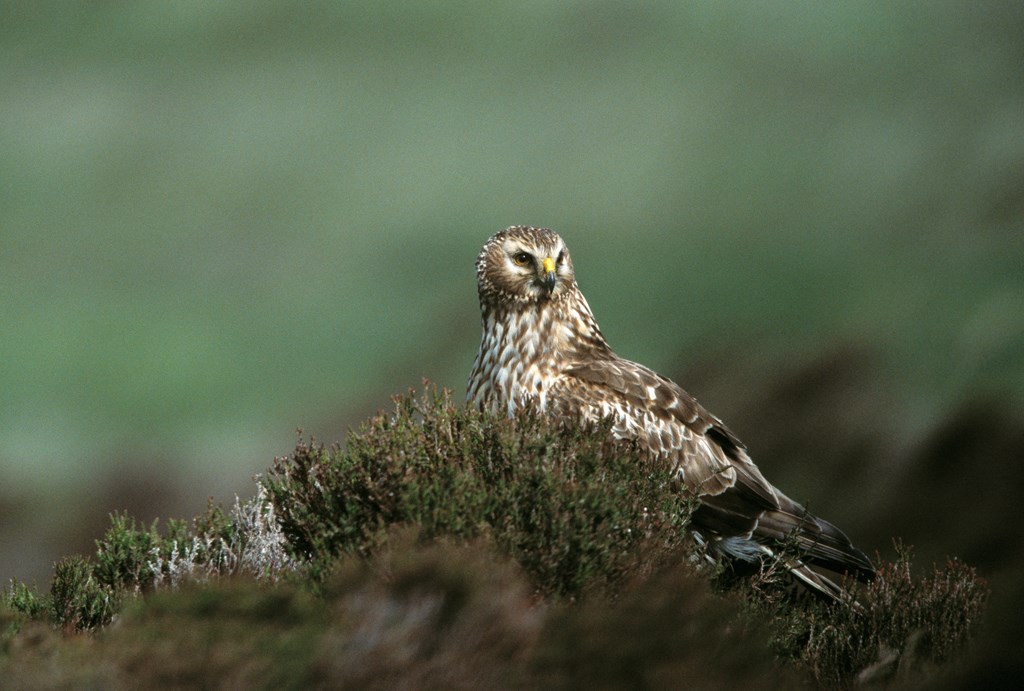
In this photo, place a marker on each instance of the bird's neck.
(556, 331)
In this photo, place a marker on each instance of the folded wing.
(741, 513)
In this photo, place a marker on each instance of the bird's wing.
(738, 505)
(668, 422)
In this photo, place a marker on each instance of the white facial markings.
(521, 265)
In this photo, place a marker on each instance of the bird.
(541, 347)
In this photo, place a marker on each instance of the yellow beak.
(549, 274)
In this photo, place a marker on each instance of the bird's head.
(523, 264)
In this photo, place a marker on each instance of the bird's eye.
(521, 258)
(561, 257)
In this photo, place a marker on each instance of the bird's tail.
(789, 537)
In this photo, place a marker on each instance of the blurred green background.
(220, 222)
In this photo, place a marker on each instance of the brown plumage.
(542, 347)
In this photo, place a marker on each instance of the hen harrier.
(542, 347)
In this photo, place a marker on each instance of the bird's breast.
(518, 361)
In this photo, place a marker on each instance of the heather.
(444, 546)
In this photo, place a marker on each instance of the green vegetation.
(445, 546)
(901, 624)
(573, 508)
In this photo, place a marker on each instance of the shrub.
(899, 623)
(123, 554)
(79, 601)
(574, 508)
(434, 533)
